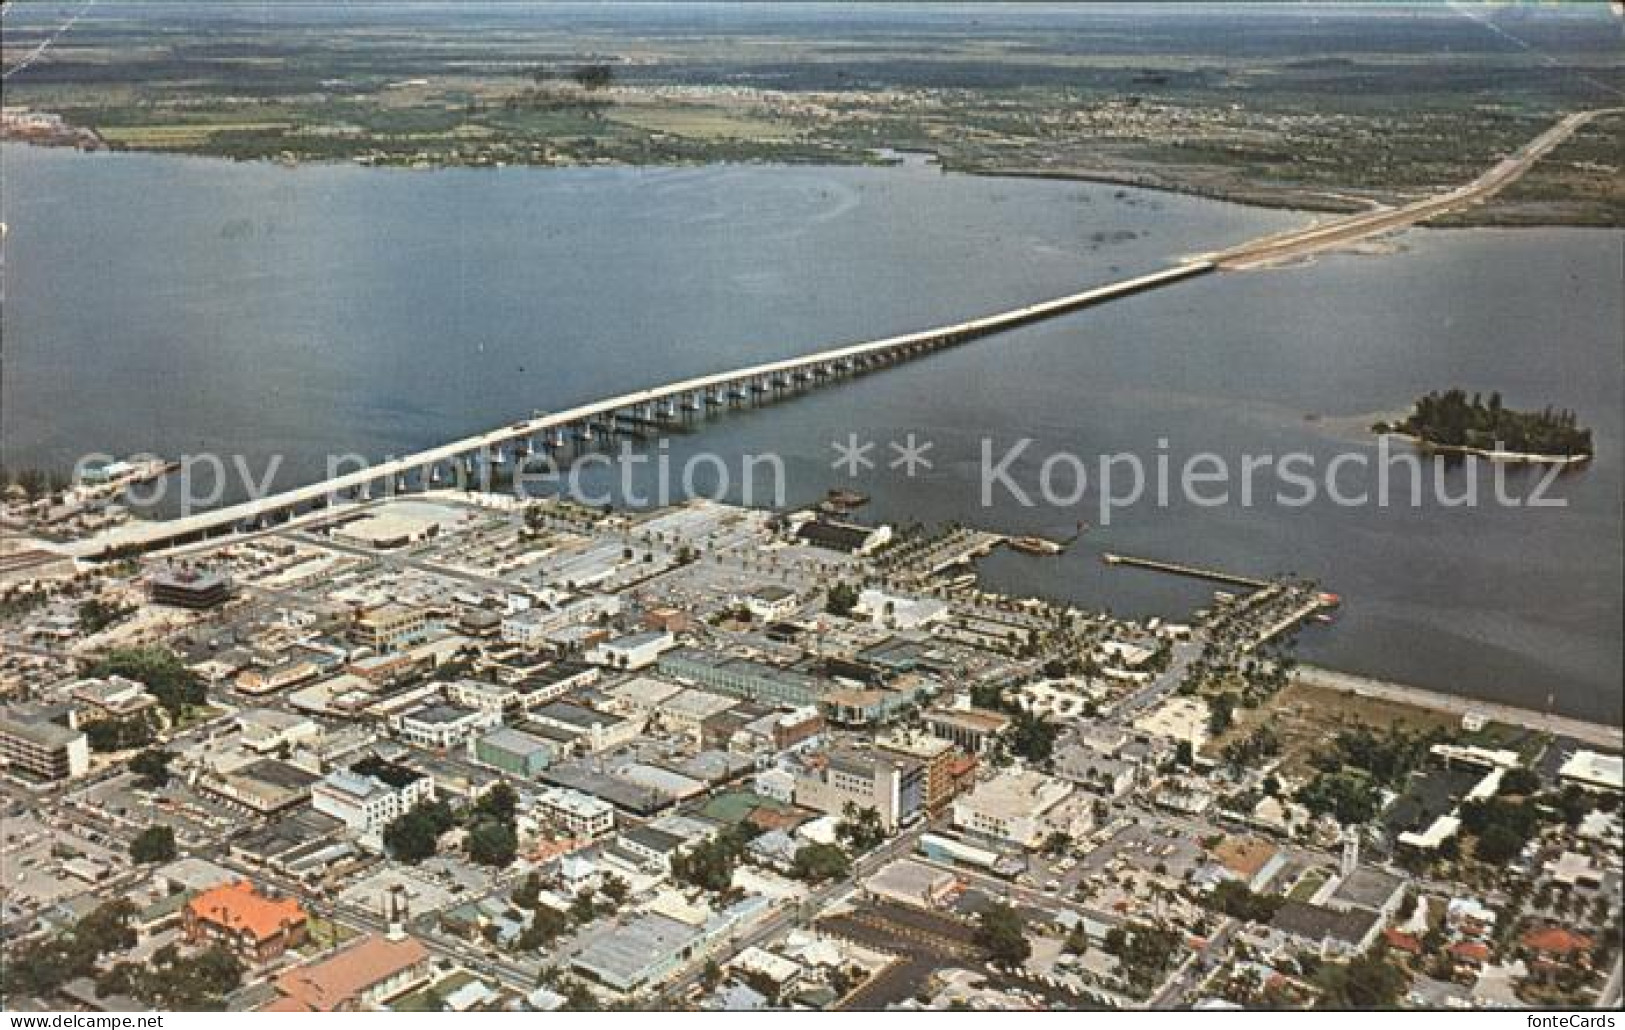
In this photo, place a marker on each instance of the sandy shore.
(1513, 456)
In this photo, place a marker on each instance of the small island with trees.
(1456, 422)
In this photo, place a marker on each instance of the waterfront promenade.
(1610, 737)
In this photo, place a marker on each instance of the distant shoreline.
(1306, 201)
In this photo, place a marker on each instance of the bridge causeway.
(638, 413)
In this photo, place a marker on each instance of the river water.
(180, 305)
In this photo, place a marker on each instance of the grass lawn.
(1305, 888)
(1306, 718)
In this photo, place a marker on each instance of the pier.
(1188, 571)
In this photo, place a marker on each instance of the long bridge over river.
(659, 406)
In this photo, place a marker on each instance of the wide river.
(180, 305)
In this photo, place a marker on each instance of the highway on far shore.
(1300, 243)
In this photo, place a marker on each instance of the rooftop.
(239, 907)
(332, 982)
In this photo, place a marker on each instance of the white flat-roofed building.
(267, 729)
(769, 602)
(41, 747)
(899, 611)
(686, 712)
(642, 695)
(1011, 807)
(114, 697)
(441, 725)
(1594, 771)
(367, 804)
(581, 815)
(638, 651)
(486, 697)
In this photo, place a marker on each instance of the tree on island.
(1454, 419)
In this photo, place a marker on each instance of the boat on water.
(1035, 545)
(837, 501)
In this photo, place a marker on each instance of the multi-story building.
(580, 815)
(940, 758)
(769, 602)
(31, 742)
(514, 752)
(592, 730)
(194, 589)
(255, 926)
(371, 795)
(388, 626)
(1012, 807)
(635, 651)
(258, 680)
(743, 678)
(891, 784)
(501, 698)
(442, 726)
(973, 729)
(113, 698)
(687, 712)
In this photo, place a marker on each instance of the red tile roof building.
(257, 927)
(361, 977)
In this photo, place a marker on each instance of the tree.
(1233, 898)
(1032, 737)
(710, 865)
(37, 969)
(1144, 953)
(415, 834)
(546, 925)
(492, 843)
(1520, 781)
(615, 889)
(106, 735)
(151, 768)
(841, 600)
(711, 974)
(152, 845)
(577, 998)
(999, 932)
(499, 803)
(1348, 795)
(582, 909)
(163, 673)
(1367, 982)
(1498, 844)
(1077, 940)
(96, 615)
(860, 829)
(818, 863)
(593, 77)
(528, 892)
